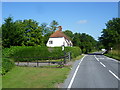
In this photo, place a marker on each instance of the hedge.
(7, 65)
(37, 51)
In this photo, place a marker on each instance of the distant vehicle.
(103, 49)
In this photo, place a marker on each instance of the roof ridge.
(59, 34)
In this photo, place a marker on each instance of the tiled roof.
(59, 33)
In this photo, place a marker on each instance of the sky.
(81, 17)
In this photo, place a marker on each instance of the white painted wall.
(57, 42)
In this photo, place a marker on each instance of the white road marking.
(71, 82)
(114, 75)
(113, 59)
(102, 64)
(96, 58)
(100, 58)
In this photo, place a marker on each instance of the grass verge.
(113, 56)
(77, 58)
(34, 77)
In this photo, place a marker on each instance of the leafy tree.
(85, 42)
(69, 33)
(111, 35)
(53, 25)
(26, 32)
(9, 32)
(46, 37)
(44, 28)
(32, 33)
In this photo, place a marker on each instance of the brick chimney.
(59, 28)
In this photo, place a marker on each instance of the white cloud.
(82, 21)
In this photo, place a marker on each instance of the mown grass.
(114, 54)
(34, 77)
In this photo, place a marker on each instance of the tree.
(9, 32)
(53, 25)
(111, 35)
(44, 28)
(69, 33)
(32, 33)
(26, 32)
(85, 42)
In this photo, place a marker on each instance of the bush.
(37, 51)
(7, 65)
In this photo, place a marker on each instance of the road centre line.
(102, 64)
(96, 58)
(114, 75)
(71, 82)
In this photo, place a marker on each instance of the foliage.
(45, 29)
(7, 65)
(111, 35)
(46, 37)
(9, 32)
(86, 42)
(26, 32)
(69, 33)
(53, 25)
(29, 33)
(37, 51)
(114, 54)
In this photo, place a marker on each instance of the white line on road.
(100, 58)
(113, 59)
(102, 64)
(96, 58)
(70, 84)
(114, 75)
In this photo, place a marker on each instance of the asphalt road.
(94, 71)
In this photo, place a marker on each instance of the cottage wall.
(56, 42)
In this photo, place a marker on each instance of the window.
(50, 42)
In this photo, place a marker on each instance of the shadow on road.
(95, 54)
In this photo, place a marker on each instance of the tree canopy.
(111, 35)
(30, 33)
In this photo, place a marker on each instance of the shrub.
(37, 51)
(7, 65)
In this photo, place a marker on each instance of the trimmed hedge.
(37, 51)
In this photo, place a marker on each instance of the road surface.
(94, 71)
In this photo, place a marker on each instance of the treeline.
(86, 42)
(31, 33)
(110, 38)
(25, 32)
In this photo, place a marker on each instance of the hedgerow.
(31, 53)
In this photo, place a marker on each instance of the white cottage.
(58, 39)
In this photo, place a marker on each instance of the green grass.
(0, 82)
(34, 77)
(114, 54)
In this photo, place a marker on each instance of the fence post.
(37, 63)
(18, 63)
(27, 63)
(69, 56)
(64, 57)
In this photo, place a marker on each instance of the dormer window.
(50, 42)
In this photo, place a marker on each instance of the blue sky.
(83, 17)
